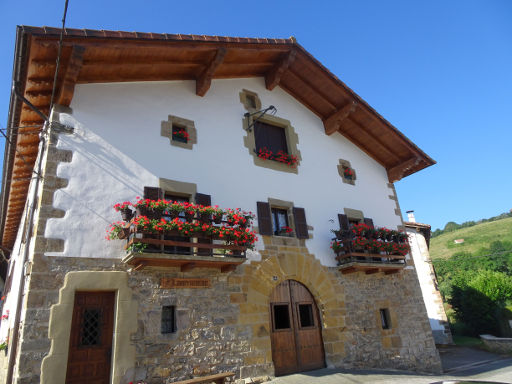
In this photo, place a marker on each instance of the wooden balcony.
(370, 263)
(184, 253)
(369, 253)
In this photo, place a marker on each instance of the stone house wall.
(226, 327)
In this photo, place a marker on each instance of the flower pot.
(149, 213)
(242, 224)
(124, 233)
(204, 217)
(126, 214)
(217, 219)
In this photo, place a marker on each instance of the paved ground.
(460, 363)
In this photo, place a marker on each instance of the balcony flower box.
(174, 233)
(363, 248)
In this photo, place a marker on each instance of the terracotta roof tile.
(73, 32)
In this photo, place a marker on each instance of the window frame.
(276, 228)
(173, 328)
(292, 139)
(167, 127)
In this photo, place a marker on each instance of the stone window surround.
(54, 365)
(343, 164)
(292, 139)
(166, 131)
(354, 214)
(179, 188)
(245, 95)
(394, 323)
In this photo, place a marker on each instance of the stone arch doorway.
(295, 329)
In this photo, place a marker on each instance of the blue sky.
(440, 71)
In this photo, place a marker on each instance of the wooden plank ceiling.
(90, 56)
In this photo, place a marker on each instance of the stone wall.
(209, 337)
(408, 344)
(497, 344)
(226, 327)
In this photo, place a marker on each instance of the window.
(306, 315)
(172, 248)
(270, 140)
(168, 324)
(281, 315)
(90, 328)
(280, 222)
(347, 173)
(270, 137)
(385, 319)
(251, 101)
(179, 133)
(281, 218)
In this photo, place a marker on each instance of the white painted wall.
(117, 150)
(422, 261)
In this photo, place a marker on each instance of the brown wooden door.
(296, 333)
(90, 343)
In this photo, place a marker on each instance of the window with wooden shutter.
(153, 193)
(368, 222)
(264, 218)
(173, 248)
(205, 200)
(280, 221)
(301, 226)
(270, 137)
(344, 223)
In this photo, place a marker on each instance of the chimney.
(410, 216)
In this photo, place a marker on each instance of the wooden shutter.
(8, 282)
(203, 199)
(368, 222)
(344, 223)
(270, 136)
(264, 218)
(301, 226)
(153, 193)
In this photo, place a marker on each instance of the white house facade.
(419, 238)
(188, 119)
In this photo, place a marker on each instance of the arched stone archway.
(259, 280)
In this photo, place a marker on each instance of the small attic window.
(251, 101)
(179, 133)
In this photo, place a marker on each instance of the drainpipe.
(16, 329)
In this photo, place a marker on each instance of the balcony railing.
(371, 250)
(188, 240)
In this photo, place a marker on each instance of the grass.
(467, 341)
(475, 238)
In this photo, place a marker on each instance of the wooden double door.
(90, 343)
(296, 332)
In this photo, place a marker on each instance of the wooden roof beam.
(273, 76)
(204, 80)
(398, 171)
(333, 122)
(73, 68)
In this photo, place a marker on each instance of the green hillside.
(475, 238)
